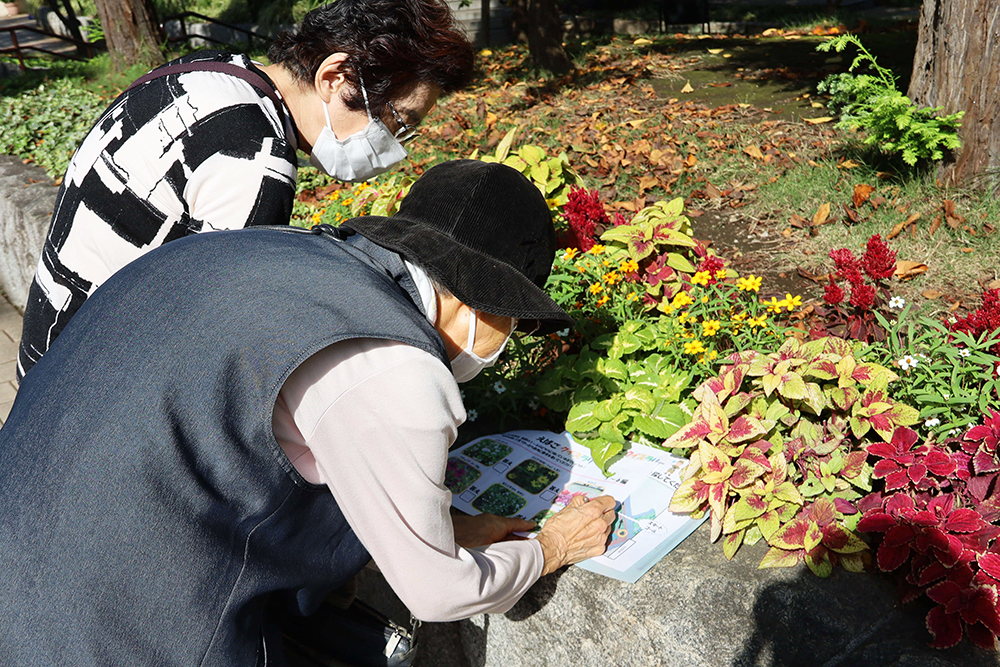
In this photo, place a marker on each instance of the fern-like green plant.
(892, 121)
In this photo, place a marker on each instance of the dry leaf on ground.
(934, 226)
(931, 294)
(862, 191)
(687, 88)
(817, 121)
(954, 219)
(822, 216)
(902, 225)
(754, 152)
(906, 269)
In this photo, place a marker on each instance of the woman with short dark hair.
(208, 141)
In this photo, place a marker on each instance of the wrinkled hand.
(578, 532)
(483, 529)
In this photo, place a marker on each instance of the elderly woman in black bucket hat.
(180, 458)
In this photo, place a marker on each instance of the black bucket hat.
(483, 231)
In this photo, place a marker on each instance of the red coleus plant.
(855, 319)
(935, 517)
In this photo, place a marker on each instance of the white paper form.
(534, 474)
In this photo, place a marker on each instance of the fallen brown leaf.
(648, 183)
(934, 226)
(822, 215)
(954, 219)
(815, 277)
(967, 250)
(786, 232)
(687, 88)
(715, 52)
(902, 225)
(906, 269)
(955, 305)
(931, 294)
(993, 285)
(862, 192)
(754, 152)
(690, 161)
(798, 221)
(848, 164)
(817, 121)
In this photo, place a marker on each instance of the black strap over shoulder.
(254, 79)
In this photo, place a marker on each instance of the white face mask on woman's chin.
(359, 157)
(467, 364)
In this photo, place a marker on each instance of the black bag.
(359, 636)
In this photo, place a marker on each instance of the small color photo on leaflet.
(488, 452)
(499, 500)
(532, 476)
(459, 475)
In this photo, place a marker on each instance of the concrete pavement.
(10, 336)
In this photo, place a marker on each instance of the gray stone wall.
(27, 197)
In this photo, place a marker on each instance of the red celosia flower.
(833, 294)
(621, 219)
(712, 264)
(985, 319)
(878, 261)
(862, 296)
(847, 265)
(583, 212)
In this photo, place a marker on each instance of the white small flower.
(897, 302)
(533, 403)
(924, 357)
(946, 396)
(907, 362)
(498, 387)
(932, 422)
(964, 352)
(952, 320)
(473, 415)
(562, 333)
(955, 431)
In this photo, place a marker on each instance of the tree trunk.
(540, 22)
(955, 67)
(131, 31)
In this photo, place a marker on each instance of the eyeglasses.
(406, 133)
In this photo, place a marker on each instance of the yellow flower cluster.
(749, 284)
(701, 278)
(790, 303)
(629, 266)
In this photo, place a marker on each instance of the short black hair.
(394, 45)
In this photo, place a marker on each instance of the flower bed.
(857, 431)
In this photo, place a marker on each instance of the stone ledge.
(694, 609)
(27, 198)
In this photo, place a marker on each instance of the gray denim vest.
(147, 512)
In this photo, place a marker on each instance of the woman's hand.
(484, 529)
(578, 532)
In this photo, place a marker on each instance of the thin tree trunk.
(541, 24)
(955, 67)
(132, 33)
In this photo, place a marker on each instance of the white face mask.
(360, 156)
(467, 364)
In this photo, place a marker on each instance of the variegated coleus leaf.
(876, 411)
(727, 382)
(709, 422)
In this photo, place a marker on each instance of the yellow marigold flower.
(720, 274)
(774, 306)
(606, 262)
(634, 296)
(710, 327)
(580, 268)
(597, 249)
(552, 203)
(792, 302)
(596, 288)
(701, 359)
(682, 317)
(681, 299)
(757, 321)
(749, 284)
(336, 195)
(569, 254)
(701, 278)
(694, 347)
(739, 317)
(612, 277)
(603, 300)
(348, 201)
(629, 266)
(704, 299)
(712, 355)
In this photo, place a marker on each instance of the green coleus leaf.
(731, 524)
(603, 451)
(768, 524)
(613, 368)
(747, 507)
(731, 544)
(638, 398)
(859, 427)
(791, 535)
(608, 409)
(679, 262)
(737, 403)
(776, 557)
(745, 428)
(813, 537)
(663, 424)
(814, 399)
(786, 491)
(853, 562)
(752, 535)
(811, 487)
(609, 431)
(581, 418)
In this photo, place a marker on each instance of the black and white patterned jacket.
(177, 155)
